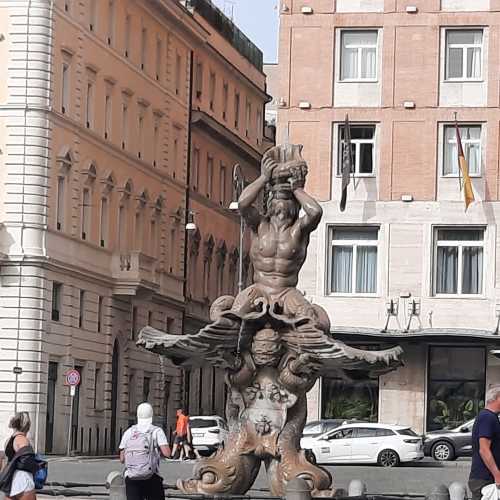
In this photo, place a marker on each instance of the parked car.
(318, 427)
(387, 445)
(208, 432)
(449, 444)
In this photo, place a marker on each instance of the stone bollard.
(115, 482)
(298, 489)
(439, 492)
(458, 491)
(356, 488)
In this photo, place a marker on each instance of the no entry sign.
(72, 377)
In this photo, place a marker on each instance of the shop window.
(455, 386)
(348, 398)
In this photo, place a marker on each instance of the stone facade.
(405, 98)
(95, 138)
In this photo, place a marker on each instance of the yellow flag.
(464, 169)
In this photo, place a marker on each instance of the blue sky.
(258, 19)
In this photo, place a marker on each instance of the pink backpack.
(142, 459)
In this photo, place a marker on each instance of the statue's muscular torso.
(277, 254)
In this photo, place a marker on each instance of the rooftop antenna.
(229, 9)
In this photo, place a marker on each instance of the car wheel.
(310, 456)
(443, 451)
(388, 458)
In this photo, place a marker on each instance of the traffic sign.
(72, 377)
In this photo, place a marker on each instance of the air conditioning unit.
(306, 10)
(304, 105)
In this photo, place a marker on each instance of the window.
(65, 88)
(178, 66)
(131, 392)
(359, 55)
(366, 432)
(159, 53)
(122, 228)
(104, 223)
(154, 238)
(150, 318)
(345, 398)
(56, 301)
(144, 47)
(100, 313)
(86, 214)
(169, 324)
(459, 261)
(61, 182)
(384, 432)
(111, 21)
(363, 149)
(248, 122)
(97, 385)
(89, 106)
(455, 385)
(140, 127)
(146, 388)
(210, 175)
(139, 231)
(92, 15)
(196, 169)
(133, 330)
(259, 126)
(107, 117)
(342, 434)
(176, 154)
(199, 79)
(470, 136)
(124, 125)
(353, 260)
(212, 91)
(81, 308)
(128, 22)
(236, 110)
(222, 187)
(225, 98)
(464, 52)
(156, 140)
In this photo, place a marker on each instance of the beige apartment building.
(96, 123)
(227, 126)
(404, 264)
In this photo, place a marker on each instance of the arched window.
(64, 161)
(207, 264)
(142, 200)
(108, 184)
(123, 211)
(221, 262)
(89, 175)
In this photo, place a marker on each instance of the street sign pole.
(70, 417)
(72, 380)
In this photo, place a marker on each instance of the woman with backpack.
(140, 450)
(17, 479)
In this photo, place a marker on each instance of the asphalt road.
(419, 478)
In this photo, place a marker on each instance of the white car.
(208, 433)
(387, 445)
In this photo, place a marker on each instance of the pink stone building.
(404, 264)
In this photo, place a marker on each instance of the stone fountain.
(272, 343)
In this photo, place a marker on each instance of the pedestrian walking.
(486, 445)
(140, 450)
(16, 479)
(181, 435)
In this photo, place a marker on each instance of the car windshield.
(312, 428)
(407, 432)
(198, 423)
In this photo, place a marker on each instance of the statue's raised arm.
(250, 194)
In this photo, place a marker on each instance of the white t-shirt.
(159, 437)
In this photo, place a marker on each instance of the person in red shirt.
(181, 439)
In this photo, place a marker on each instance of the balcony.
(134, 272)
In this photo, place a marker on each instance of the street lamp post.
(238, 185)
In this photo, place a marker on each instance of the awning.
(443, 335)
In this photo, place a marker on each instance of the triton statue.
(272, 343)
